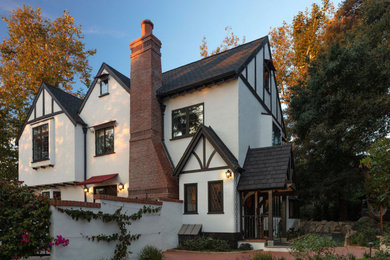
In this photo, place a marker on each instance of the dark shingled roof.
(217, 67)
(67, 101)
(215, 141)
(266, 168)
(214, 68)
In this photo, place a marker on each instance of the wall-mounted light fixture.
(228, 174)
(121, 186)
(85, 189)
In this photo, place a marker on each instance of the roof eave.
(199, 85)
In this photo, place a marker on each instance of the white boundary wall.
(159, 230)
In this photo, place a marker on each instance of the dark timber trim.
(260, 100)
(48, 116)
(207, 132)
(207, 170)
(43, 102)
(277, 91)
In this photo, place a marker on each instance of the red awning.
(98, 179)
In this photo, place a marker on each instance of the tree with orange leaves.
(296, 45)
(37, 50)
(230, 41)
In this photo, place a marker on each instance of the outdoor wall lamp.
(228, 174)
(121, 186)
(85, 189)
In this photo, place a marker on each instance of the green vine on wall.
(124, 237)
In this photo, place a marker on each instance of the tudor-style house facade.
(209, 133)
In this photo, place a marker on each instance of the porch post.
(270, 217)
(256, 205)
(284, 216)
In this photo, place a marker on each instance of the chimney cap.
(147, 27)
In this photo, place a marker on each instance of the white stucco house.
(209, 133)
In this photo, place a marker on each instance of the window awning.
(98, 179)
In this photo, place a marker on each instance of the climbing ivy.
(124, 237)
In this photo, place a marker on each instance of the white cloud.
(102, 31)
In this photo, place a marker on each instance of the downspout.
(85, 130)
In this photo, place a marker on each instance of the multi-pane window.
(104, 140)
(106, 190)
(216, 197)
(276, 135)
(186, 121)
(191, 198)
(41, 142)
(104, 86)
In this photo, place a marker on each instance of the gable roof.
(266, 168)
(67, 102)
(221, 66)
(119, 77)
(216, 142)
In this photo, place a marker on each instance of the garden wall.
(324, 226)
(158, 229)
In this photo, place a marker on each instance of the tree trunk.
(381, 218)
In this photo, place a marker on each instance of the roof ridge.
(61, 90)
(214, 55)
(115, 70)
(271, 147)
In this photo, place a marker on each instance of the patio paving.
(246, 255)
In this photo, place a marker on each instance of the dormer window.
(103, 85)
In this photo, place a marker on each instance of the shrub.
(313, 246)
(206, 243)
(245, 246)
(380, 255)
(366, 231)
(262, 256)
(24, 221)
(150, 253)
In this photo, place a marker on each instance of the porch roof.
(267, 168)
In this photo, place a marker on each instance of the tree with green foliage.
(230, 41)
(342, 106)
(377, 181)
(24, 221)
(37, 50)
(297, 44)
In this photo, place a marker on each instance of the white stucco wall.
(225, 222)
(62, 139)
(220, 112)
(98, 110)
(159, 230)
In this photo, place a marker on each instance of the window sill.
(103, 95)
(41, 160)
(98, 155)
(190, 213)
(181, 137)
(216, 212)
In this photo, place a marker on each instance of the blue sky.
(110, 25)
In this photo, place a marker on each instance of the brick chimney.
(150, 168)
